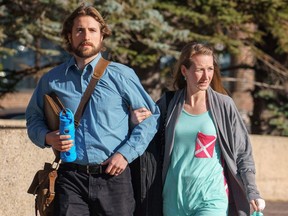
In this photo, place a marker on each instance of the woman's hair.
(192, 49)
(83, 10)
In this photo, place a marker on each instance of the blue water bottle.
(67, 128)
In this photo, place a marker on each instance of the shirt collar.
(72, 63)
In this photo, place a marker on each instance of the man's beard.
(82, 52)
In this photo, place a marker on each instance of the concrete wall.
(20, 159)
(271, 159)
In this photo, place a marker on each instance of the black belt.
(89, 169)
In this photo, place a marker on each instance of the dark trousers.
(82, 194)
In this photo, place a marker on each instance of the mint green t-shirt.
(194, 183)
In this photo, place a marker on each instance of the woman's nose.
(205, 74)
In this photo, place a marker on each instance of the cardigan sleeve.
(244, 155)
(234, 138)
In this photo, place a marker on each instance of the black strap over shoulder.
(168, 97)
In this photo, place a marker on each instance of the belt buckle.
(94, 169)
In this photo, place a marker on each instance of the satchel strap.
(57, 159)
(51, 195)
(54, 103)
(98, 72)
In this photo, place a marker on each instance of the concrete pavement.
(276, 208)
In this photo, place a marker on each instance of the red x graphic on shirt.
(204, 145)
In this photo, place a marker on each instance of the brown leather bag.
(43, 187)
(52, 107)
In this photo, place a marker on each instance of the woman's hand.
(139, 115)
(258, 204)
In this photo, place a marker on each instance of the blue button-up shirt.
(104, 125)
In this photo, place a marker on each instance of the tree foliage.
(148, 33)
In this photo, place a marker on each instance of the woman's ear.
(183, 70)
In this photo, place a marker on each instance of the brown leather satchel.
(43, 187)
(52, 108)
(43, 184)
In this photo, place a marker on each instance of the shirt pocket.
(111, 113)
(205, 145)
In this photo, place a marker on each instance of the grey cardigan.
(234, 143)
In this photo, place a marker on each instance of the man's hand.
(139, 115)
(116, 164)
(58, 142)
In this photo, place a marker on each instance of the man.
(103, 139)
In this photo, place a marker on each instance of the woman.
(207, 166)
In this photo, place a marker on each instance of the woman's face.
(200, 73)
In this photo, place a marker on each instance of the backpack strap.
(168, 97)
